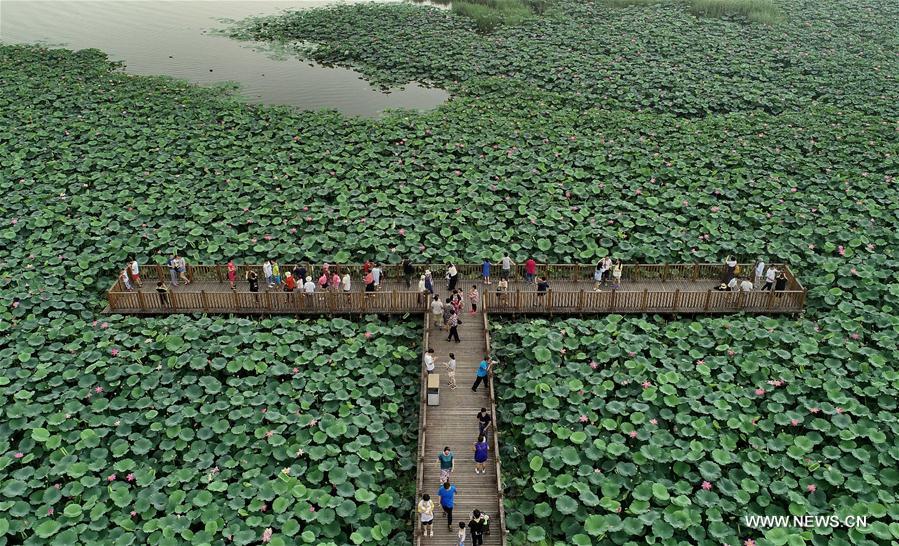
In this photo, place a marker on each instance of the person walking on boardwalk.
(369, 281)
(616, 275)
(770, 277)
(451, 370)
(346, 282)
(481, 376)
(447, 496)
(376, 273)
(163, 292)
(485, 270)
(730, 269)
(437, 312)
(447, 464)
(606, 269)
(426, 511)
(429, 281)
(477, 524)
(429, 362)
(232, 274)
(530, 270)
(506, 267)
(453, 327)
(759, 271)
(253, 281)
(474, 297)
(452, 276)
(173, 268)
(134, 272)
(267, 273)
(484, 420)
(480, 455)
(461, 533)
(447, 313)
(542, 288)
(335, 281)
(502, 290)
(290, 284)
(780, 283)
(126, 279)
(597, 277)
(276, 273)
(408, 272)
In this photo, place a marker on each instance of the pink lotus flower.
(639, 191)
(854, 335)
(15, 305)
(130, 477)
(707, 486)
(57, 486)
(853, 271)
(19, 455)
(653, 421)
(104, 325)
(98, 389)
(457, 173)
(700, 362)
(631, 354)
(111, 478)
(811, 488)
(114, 351)
(841, 251)
(133, 513)
(870, 246)
(253, 240)
(715, 209)
(305, 209)
(264, 507)
(646, 384)
(731, 353)
(760, 392)
(794, 422)
(267, 237)
(748, 542)
(267, 534)
(814, 410)
(312, 509)
(685, 203)
(594, 364)
(14, 221)
(309, 219)
(402, 232)
(368, 335)
(264, 410)
(296, 370)
(632, 434)
(584, 419)
(269, 433)
(839, 410)
(794, 190)
(50, 511)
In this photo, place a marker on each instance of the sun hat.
(308, 279)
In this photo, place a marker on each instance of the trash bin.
(434, 389)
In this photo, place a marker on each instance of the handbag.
(737, 270)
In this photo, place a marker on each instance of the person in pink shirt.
(530, 270)
(335, 281)
(323, 280)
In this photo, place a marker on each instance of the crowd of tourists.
(735, 280)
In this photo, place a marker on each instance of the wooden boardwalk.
(454, 424)
(688, 288)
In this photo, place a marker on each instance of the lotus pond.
(670, 432)
(642, 131)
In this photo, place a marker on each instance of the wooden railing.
(496, 458)
(422, 434)
(220, 299)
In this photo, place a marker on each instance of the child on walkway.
(232, 273)
(426, 509)
(461, 533)
(485, 270)
(126, 281)
(480, 455)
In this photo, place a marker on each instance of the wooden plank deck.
(454, 423)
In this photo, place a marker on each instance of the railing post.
(159, 273)
(771, 298)
(708, 299)
(518, 299)
(190, 273)
(236, 299)
(205, 301)
(614, 297)
(218, 273)
(695, 272)
(141, 301)
(268, 301)
(576, 272)
(549, 300)
(665, 273)
(393, 300)
(643, 303)
(676, 300)
(173, 299)
(580, 300)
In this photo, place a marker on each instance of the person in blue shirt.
(447, 495)
(485, 270)
(482, 373)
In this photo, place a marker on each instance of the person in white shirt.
(732, 284)
(346, 282)
(770, 275)
(376, 273)
(437, 312)
(759, 272)
(429, 361)
(134, 270)
(452, 276)
(506, 270)
(745, 285)
(426, 510)
(267, 273)
(125, 280)
(309, 286)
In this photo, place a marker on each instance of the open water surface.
(174, 38)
